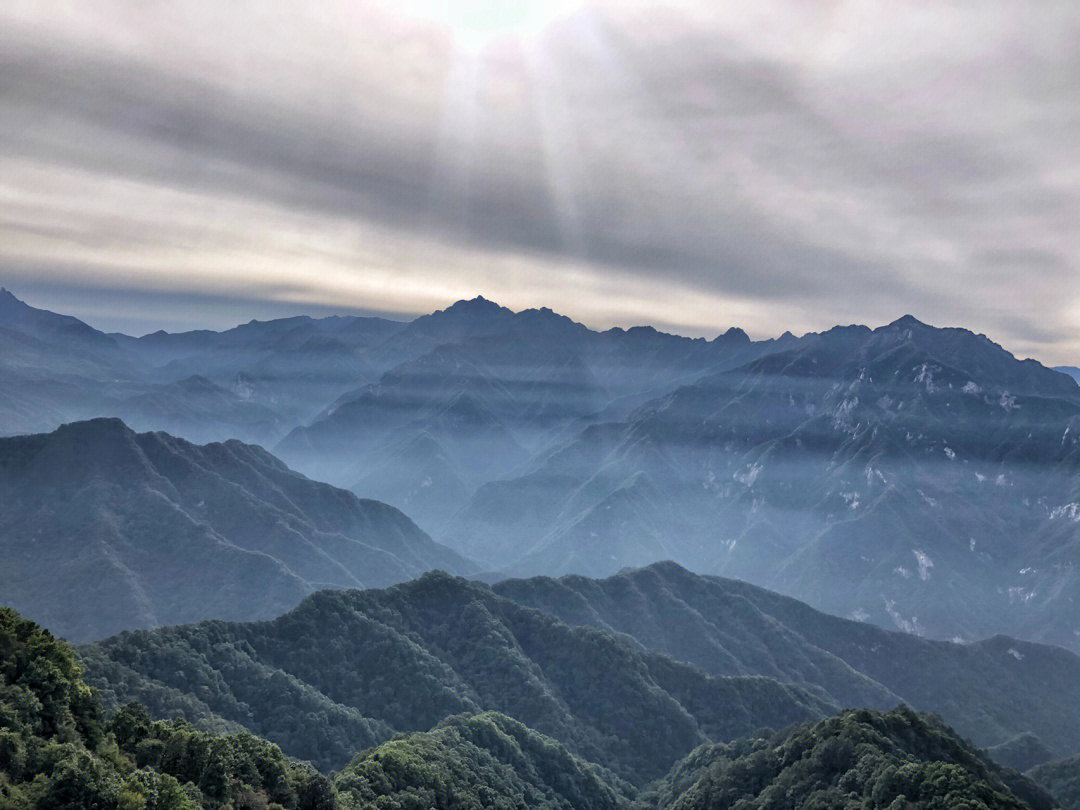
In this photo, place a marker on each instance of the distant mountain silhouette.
(917, 477)
(103, 529)
(487, 389)
(256, 380)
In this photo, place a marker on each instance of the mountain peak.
(104, 447)
(477, 304)
(43, 324)
(732, 335)
(98, 426)
(907, 322)
(8, 299)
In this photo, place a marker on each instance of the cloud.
(688, 164)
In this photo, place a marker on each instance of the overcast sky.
(690, 165)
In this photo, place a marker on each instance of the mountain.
(61, 344)
(630, 672)
(485, 760)
(183, 405)
(302, 370)
(346, 669)
(52, 366)
(293, 366)
(484, 390)
(57, 749)
(1061, 779)
(252, 382)
(104, 529)
(1071, 371)
(992, 691)
(60, 747)
(855, 760)
(920, 478)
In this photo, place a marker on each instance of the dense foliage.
(859, 759)
(474, 762)
(347, 669)
(57, 752)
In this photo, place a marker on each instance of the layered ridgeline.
(59, 749)
(659, 661)
(259, 380)
(56, 369)
(103, 529)
(347, 669)
(998, 692)
(253, 382)
(481, 392)
(917, 477)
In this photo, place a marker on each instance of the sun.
(477, 24)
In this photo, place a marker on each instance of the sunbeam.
(476, 25)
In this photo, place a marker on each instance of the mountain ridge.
(922, 477)
(149, 529)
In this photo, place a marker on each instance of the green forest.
(861, 759)
(61, 747)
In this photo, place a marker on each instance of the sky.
(784, 165)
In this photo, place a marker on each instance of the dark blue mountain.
(103, 529)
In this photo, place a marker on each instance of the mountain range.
(917, 478)
(347, 669)
(59, 749)
(647, 665)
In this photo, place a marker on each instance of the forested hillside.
(59, 750)
(481, 761)
(346, 669)
(992, 691)
(859, 759)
